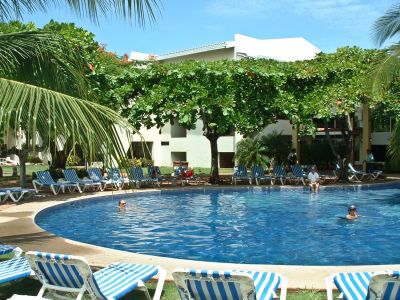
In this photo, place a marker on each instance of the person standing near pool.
(351, 213)
(313, 176)
(292, 157)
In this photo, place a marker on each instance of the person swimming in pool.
(122, 205)
(352, 213)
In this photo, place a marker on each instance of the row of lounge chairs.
(278, 173)
(61, 273)
(358, 175)
(96, 180)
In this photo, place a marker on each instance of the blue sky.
(328, 24)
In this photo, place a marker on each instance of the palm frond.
(139, 10)
(386, 70)
(387, 26)
(394, 145)
(43, 59)
(55, 116)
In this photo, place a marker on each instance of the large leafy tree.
(387, 71)
(221, 95)
(41, 79)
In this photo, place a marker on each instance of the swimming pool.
(255, 225)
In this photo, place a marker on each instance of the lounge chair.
(7, 249)
(258, 174)
(384, 286)
(116, 178)
(240, 173)
(351, 285)
(96, 175)
(16, 194)
(15, 268)
(155, 172)
(299, 174)
(280, 173)
(238, 285)
(44, 179)
(136, 176)
(356, 174)
(71, 274)
(72, 176)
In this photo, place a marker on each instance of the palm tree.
(41, 82)
(388, 68)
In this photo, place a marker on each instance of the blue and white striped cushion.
(118, 279)
(59, 274)
(384, 286)
(95, 172)
(298, 171)
(241, 172)
(45, 177)
(14, 269)
(71, 175)
(5, 249)
(279, 171)
(258, 172)
(265, 284)
(353, 285)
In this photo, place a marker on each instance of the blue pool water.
(241, 225)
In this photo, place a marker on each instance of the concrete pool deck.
(17, 227)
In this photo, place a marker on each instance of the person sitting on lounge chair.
(352, 213)
(313, 176)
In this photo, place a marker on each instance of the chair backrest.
(257, 171)
(64, 272)
(298, 171)
(5, 249)
(240, 171)
(136, 173)
(95, 172)
(45, 177)
(351, 168)
(279, 170)
(210, 285)
(114, 174)
(70, 175)
(353, 285)
(384, 286)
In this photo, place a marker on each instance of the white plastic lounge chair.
(16, 193)
(299, 174)
(232, 285)
(71, 176)
(71, 274)
(240, 173)
(116, 178)
(96, 176)
(384, 286)
(136, 176)
(351, 285)
(258, 174)
(14, 269)
(357, 175)
(3, 196)
(44, 179)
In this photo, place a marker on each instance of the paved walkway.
(17, 227)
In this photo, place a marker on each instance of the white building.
(174, 143)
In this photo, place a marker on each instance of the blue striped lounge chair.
(116, 178)
(72, 176)
(155, 172)
(352, 285)
(280, 173)
(360, 175)
(16, 194)
(232, 285)
(258, 174)
(136, 176)
(15, 268)
(44, 179)
(384, 286)
(240, 173)
(60, 274)
(96, 175)
(299, 174)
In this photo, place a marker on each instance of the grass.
(31, 287)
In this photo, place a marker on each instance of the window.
(139, 149)
(178, 156)
(165, 143)
(177, 131)
(226, 159)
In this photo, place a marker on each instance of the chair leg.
(160, 284)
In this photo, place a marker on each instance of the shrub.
(250, 152)
(278, 146)
(34, 159)
(73, 160)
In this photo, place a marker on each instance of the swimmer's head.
(351, 208)
(122, 203)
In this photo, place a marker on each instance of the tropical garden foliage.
(42, 89)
